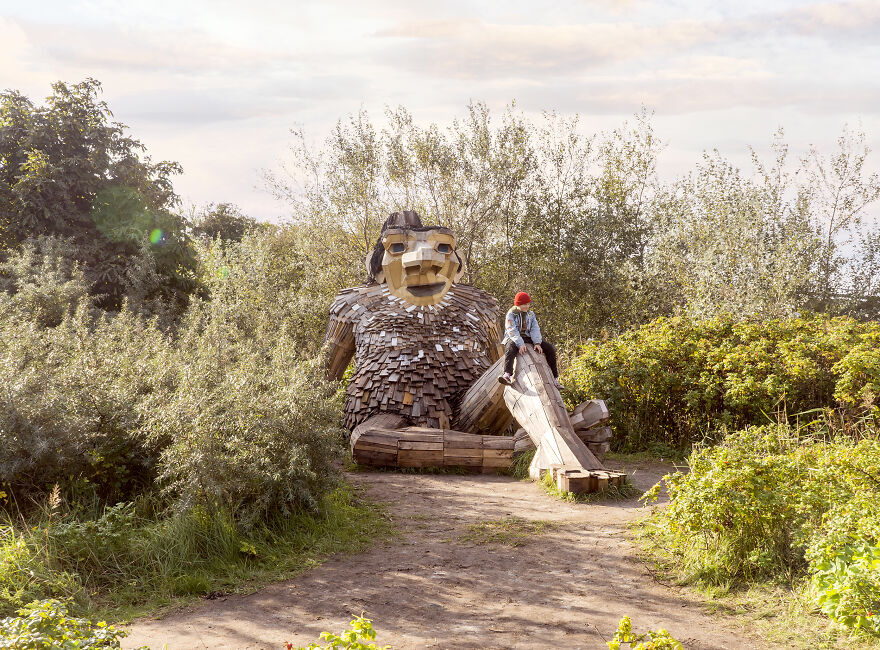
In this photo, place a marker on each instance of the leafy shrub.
(43, 281)
(232, 412)
(775, 502)
(848, 587)
(46, 624)
(251, 430)
(272, 280)
(69, 411)
(679, 381)
(659, 640)
(754, 505)
(361, 636)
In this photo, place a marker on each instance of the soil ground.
(565, 587)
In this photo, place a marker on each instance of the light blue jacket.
(512, 323)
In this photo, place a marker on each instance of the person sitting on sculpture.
(521, 329)
(427, 352)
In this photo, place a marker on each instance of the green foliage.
(46, 624)
(67, 170)
(273, 279)
(678, 381)
(249, 429)
(223, 221)
(659, 640)
(360, 636)
(763, 501)
(232, 412)
(70, 411)
(848, 587)
(778, 503)
(42, 281)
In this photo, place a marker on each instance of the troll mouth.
(426, 289)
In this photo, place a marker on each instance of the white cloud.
(859, 17)
(475, 49)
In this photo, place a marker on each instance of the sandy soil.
(565, 588)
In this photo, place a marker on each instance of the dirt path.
(565, 588)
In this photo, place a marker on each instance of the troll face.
(419, 264)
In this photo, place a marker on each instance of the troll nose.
(422, 257)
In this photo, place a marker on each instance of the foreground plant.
(848, 587)
(659, 640)
(361, 636)
(46, 624)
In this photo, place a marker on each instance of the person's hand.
(539, 349)
(523, 349)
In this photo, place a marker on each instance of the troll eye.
(397, 248)
(444, 248)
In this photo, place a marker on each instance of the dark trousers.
(511, 350)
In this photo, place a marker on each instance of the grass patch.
(123, 565)
(509, 531)
(520, 466)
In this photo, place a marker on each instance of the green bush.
(763, 502)
(42, 281)
(46, 625)
(250, 429)
(69, 410)
(231, 411)
(848, 587)
(679, 381)
(778, 503)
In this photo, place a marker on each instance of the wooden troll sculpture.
(427, 357)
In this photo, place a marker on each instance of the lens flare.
(157, 236)
(223, 272)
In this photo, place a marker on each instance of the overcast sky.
(217, 85)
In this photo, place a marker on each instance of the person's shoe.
(506, 379)
(557, 384)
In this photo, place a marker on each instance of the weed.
(47, 624)
(520, 467)
(509, 531)
(360, 636)
(659, 640)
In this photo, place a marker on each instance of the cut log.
(587, 415)
(482, 407)
(569, 479)
(599, 449)
(426, 447)
(599, 434)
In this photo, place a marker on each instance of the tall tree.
(68, 170)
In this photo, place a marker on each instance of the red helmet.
(522, 298)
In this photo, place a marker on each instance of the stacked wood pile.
(590, 422)
(569, 479)
(379, 442)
